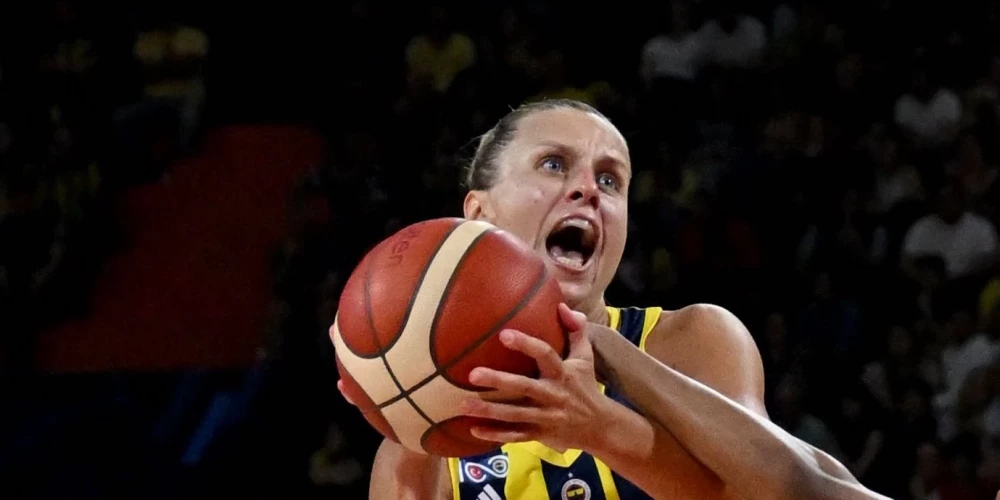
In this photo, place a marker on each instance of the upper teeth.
(577, 222)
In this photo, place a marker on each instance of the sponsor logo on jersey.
(496, 466)
(575, 489)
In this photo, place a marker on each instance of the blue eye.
(552, 163)
(608, 181)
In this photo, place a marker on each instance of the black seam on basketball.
(413, 298)
(406, 318)
(443, 369)
(382, 352)
(535, 287)
(447, 291)
(371, 324)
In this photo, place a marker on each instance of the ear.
(477, 206)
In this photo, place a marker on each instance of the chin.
(575, 294)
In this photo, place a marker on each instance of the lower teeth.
(570, 258)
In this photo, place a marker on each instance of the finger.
(501, 434)
(503, 412)
(511, 384)
(343, 392)
(579, 345)
(550, 364)
(572, 320)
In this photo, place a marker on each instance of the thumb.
(576, 323)
(572, 320)
(579, 345)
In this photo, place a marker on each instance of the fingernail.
(506, 336)
(475, 375)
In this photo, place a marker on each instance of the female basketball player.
(556, 174)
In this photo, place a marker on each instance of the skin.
(567, 162)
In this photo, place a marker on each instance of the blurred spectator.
(862, 428)
(895, 181)
(902, 364)
(677, 54)
(165, 120)
(831, 322)
(948, 475)
(556, 83)
(735, 40)
(441, 53)
(790, 415)
(781, 353)
(965, 240)
(669, 68)
(329, 466)
(929, 112)
(975, 175)
(967, 350)
(986, 91)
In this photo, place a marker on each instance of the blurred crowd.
(827, 172)
(88, 108)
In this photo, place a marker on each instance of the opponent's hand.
(563, 408)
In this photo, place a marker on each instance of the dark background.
(174, 232)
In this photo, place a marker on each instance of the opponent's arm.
(750, 454)
(564, 409)
(402, 474)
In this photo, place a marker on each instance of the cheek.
(616, 227)
(521, 209)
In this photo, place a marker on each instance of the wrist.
(621, 434)
(602, 344)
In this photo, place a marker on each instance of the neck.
(597, 313)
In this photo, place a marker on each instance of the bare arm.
(402, 474)
(750, 454)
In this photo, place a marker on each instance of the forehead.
(579, 131)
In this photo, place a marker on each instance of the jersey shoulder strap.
(634, 323)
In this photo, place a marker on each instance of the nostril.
(576, 195)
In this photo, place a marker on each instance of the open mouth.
(572, 243)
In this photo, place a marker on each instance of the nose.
(583, 187)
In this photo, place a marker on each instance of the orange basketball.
(422, 310)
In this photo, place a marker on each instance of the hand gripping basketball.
(563, 408)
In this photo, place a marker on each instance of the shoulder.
(655, 43)
(948, 98)
(710, 344)
(753, 25)
(461, 41)
(978, 222)
(924, 224)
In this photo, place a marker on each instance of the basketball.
(425, 307)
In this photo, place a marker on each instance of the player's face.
(563, 189)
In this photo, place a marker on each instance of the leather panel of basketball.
(452, 438)
(501, 263)
(410, 357)
(390, 273)
(370, 374)
(365, 403)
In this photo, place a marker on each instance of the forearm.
(747, 452)
(640, 451)
(400, 474)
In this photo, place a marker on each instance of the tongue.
(567, 257)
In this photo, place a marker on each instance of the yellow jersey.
(533, 471)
